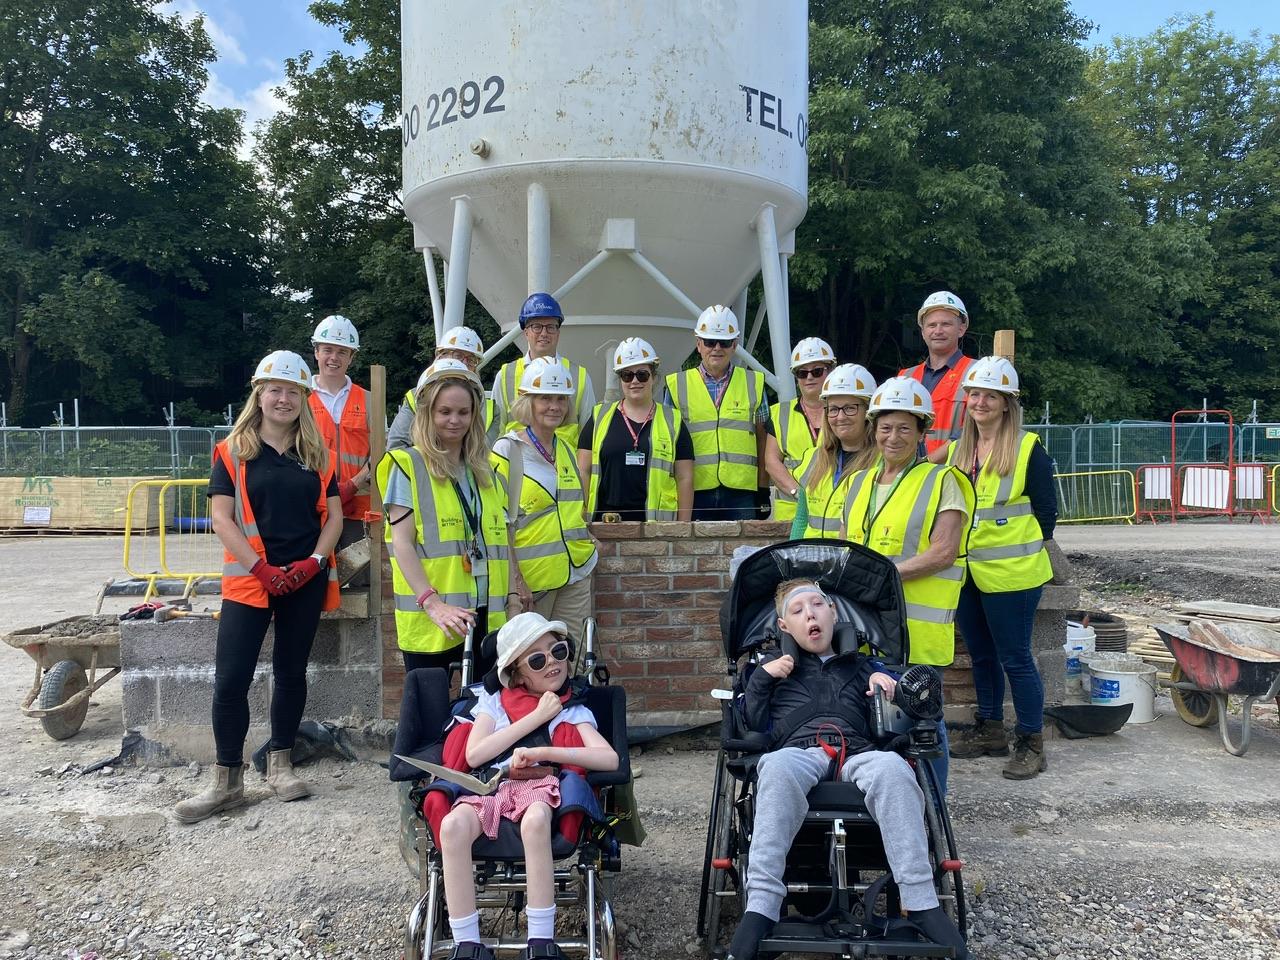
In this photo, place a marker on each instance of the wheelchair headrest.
(845, 639)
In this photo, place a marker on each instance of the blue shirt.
(932, 376)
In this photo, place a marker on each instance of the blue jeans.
(724, 503)
(997, 631)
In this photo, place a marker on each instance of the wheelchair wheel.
(720, 845)
(943, 847)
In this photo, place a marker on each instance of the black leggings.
(241, 631)
(483, 664)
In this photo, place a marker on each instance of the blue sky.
(253, 37)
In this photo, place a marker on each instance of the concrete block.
(334, 692)
(327, 646)
(147, 645)
(361, 642)
(186, 696)
(139, 703)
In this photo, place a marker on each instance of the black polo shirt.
(623, 488)
(282, 494)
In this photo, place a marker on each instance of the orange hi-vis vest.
(948, 402)
(348, 442)
(238, 583)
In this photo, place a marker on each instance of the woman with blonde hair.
(446, 522)
(554, 551)
(1017, 508)
(843, 447)
(276, 509)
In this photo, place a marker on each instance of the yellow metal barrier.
(182, 546)
(1097, 495)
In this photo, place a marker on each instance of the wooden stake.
(377, 448)
(1004, 343)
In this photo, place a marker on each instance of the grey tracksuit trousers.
(784, 779)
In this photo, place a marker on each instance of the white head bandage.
(810, 588)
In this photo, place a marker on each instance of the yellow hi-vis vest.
(794, 440)
(826, 504)
(505, 387)
(661, 500)
(490, 430)
(724, 437)
(551, 534)
(441, 543)
(1006, 551)
(899, 531)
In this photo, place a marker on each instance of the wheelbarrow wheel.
(61, 682)
(1196, 707)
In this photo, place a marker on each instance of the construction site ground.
(1150, 843)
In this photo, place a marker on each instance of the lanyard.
(813, 431)
(869, 519)
(546, 454)
(840, 458)
(470, 512)
(626, 422)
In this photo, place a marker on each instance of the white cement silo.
(639, 159)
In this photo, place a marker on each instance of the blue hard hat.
(540, 305)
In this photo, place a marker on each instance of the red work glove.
(296, 574)
(347, 492)
(275, 579)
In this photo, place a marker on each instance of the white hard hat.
(717, 323)
(942, 300)
(461, 338)
(992, 373)
(519, 634)
(902, 394)
(285, 366)
(812, 350)
(337, 330)
(849, 380)
(545, 377)
(447, 369)
(632, 352)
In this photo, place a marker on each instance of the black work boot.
(1028, 757)
(985, 739)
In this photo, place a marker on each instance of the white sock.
(542, 922)
(466, 929)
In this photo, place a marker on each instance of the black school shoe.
(938, 927)
(753, 928)
(471, 951)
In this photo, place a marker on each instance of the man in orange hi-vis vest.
(341, 409)
(943, 321)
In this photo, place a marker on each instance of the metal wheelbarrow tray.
(1215, 660)
(74, 657)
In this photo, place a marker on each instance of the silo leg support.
(539, 272)
(459, 263)
(775, 298)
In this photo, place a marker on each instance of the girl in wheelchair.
(534, 669)
(780, 697)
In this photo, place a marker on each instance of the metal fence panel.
(176, 452)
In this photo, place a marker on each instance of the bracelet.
(426, 595)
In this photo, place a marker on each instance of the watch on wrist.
(321, 559)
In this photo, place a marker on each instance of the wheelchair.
(583, 867)
(841, 899)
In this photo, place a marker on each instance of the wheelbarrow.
(1214, 661)
(74, 658)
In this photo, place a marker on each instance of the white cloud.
(224, 42)
(260, 103)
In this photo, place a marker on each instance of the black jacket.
(838, 686)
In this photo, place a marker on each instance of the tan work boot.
(282, 780)
(1028, 757)
(986, 738)
(226, 792)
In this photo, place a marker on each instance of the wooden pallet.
(1153, 651)
(1223, 610)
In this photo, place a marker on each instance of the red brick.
(671, 564)
(644, 548)
(694, 548)
(668, 530)
(713, 564)
(709, 598)
(773, 530)
(700, 649)
(697, 684)
(608, 618)
(713, 666)
(718, 529)
(678, 701)
(645, 618)
(626, 668)
(607, 548)
(621, 565)
(669, 668)
(623, 635)
(638, 650)
(695, 616)
(648, 685)
(616, 531)
(604, 583)
(668, 635)
(666, 600)
(643, 584)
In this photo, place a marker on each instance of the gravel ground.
(1150, 844)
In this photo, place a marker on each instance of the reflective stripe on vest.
(795, 439)
(826, 504)
(1006, 551)
(347, 440)
(238, 582)
(551, 534)
(440, 544)
(507, 383)
(724, 437)
(948, 402)
(900, 531)
(661, 499)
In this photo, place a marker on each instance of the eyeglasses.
(538, 661)
(639, 376)
(850, 410)
(541, 327)
(812, 373)
(722, 344)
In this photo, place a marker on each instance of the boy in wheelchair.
(840, 742)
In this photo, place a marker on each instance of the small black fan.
(919, 693)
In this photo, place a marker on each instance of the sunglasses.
(639, 376)
(538, 661)
(812, 373)
(712, 344)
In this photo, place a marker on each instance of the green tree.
(129, 249)
(1192, 116)
(949, 148)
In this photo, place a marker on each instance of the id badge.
(635, 458)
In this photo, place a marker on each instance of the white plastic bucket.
(1114, 683)
(1102, 657)
(1080, 641)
